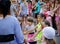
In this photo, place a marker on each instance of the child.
(35, 8)
(29, 7)
(30, 25)
(37, 35)
(23, 24)
(14, 8)
(57, 19)
(48, 33)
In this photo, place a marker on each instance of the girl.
(24, 8)
(30, 26)
(14, 8)
(48, 34)
(35, 8)
(37, 35)
(57, 19)
(29, 7)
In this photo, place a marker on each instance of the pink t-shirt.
(48, 18)
(29, 37)
(29, 8)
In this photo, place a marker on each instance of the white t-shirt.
(30, 27)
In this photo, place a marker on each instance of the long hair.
(4, 7)
(50, 41)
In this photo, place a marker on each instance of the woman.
(10, 30)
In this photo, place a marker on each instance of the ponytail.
(50, 41)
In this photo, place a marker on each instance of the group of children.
(34, 30)
(37, 18)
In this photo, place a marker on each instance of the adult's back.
(10, 30)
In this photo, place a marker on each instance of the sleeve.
(18, 33)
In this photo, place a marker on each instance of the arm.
(16, 12)
(52, 11)
(38, 9)
(18, 33)
(36, 33)
(55, 9)
(29, 31)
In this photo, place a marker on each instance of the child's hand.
(35, 8)
(32, 39)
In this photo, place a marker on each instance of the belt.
(31, 33)
(6, 38)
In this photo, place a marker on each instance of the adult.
(10, 30)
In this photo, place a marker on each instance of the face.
(29, 23)
(14, 1)
(33, 2)
(39, 18)
(43, 24)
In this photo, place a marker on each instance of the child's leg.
(58, 27)
(25, 41)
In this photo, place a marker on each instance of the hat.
(49, 32)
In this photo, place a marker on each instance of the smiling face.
(39, 18)
(33, 2)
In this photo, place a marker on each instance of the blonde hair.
(12, 0)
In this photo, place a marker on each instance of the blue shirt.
(10, 25)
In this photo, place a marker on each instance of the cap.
(49, 32)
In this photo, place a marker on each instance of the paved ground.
(57, 38)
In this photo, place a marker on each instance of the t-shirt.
(30, 27)
(30, 35)
(10, 25)
(24, 9)
(37, 8)
(40, 33)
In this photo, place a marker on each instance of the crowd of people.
(29, 21)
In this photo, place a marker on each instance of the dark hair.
(36, 0)
(58, 1)
(29, 1)
(47, 22)
(22, 0)
(5, 7)
(30, 20)
(42, 15)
